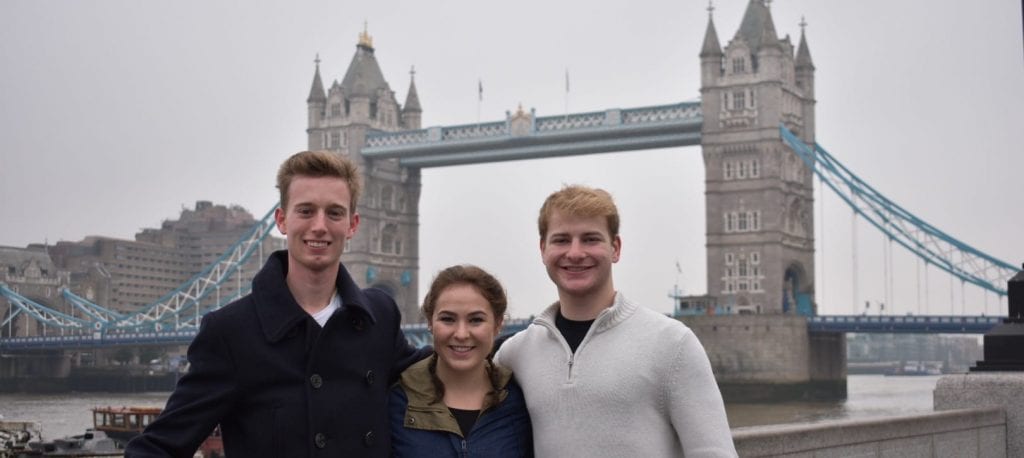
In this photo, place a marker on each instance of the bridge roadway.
(418, 335)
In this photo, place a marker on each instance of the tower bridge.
(755, 123)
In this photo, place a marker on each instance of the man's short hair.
(581, 202)
(317, 164)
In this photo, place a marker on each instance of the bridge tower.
(759, 194)
(385, 251)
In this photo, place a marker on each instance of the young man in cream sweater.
(602, 375)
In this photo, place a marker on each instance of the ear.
(279, 220)
(616, 248)
(353, 226)
(498, 324)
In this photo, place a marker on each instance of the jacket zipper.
(465, 452)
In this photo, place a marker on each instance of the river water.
(868, 396)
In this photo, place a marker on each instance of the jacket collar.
(277, 309)
(424, 412)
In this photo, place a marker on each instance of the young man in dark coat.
(301, 366)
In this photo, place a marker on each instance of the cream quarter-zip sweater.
(639, 384)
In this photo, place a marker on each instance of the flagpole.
(479, 100)
(566, 93)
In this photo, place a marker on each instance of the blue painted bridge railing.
(419, 336)
(954, 324)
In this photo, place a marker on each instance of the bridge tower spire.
(385, 251)
(759, 199)
(710, 53)
(412, 110)
(317, 97)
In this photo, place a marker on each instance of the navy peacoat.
(279, 385)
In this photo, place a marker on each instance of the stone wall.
(1004, 390)
(771, 357)
(953, 433)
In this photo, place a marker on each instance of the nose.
(575, 250)
(319, 223)
(461, 330)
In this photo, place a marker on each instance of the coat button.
(368, 439)
(357, 324)
(320, 440)
(370, 377)
(316, 380)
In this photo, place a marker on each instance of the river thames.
(67, 414)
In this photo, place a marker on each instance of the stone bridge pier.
(41, 363)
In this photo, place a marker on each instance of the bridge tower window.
(739, 65)
(754, 219)
(739, 100)
(730, 221)
(386, 197)
(388, 239)
(727, 170)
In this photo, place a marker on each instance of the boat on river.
(112, 428)
(15, 436)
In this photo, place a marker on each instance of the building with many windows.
(126, 275)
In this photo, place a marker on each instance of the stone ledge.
(813, 439)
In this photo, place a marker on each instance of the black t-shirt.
(573, 331)
(466, 419)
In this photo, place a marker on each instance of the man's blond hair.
(581, 202)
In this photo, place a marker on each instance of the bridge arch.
(797, 292)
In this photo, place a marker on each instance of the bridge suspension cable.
(180, 309)
(935, 247)
(177, 304)
(42, 313)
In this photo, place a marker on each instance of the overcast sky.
(114, 115)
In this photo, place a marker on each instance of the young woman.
(458, 402)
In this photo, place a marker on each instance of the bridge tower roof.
(412, 99)
(711, 46)
(757, 28)
(316, 92)
(364, 76)
(803, 53)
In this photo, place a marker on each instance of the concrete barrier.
(953, 433)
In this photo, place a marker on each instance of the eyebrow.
(473, 313)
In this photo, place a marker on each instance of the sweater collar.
(277, 309)
(610, 317)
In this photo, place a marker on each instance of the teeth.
(461, 348)
(317, 244)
